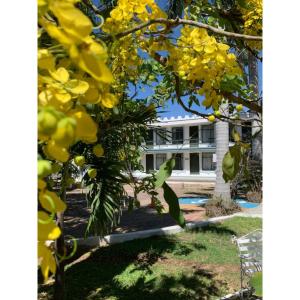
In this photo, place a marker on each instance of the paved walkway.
(145, 217)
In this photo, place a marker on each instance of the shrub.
(216, 207)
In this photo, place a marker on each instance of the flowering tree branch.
(176, 22)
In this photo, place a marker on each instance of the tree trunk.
(256, 130)
(59, 286)
(222, 189)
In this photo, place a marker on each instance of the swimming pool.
(202, 200)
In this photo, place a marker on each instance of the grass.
(195, 264)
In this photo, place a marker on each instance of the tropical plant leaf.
(231, 162)
(164, 172)
(174, 208)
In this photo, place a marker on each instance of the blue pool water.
(202, 200)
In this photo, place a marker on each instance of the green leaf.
(256, 283)
(235, 135)
(164, 172)
(242, 3)
(231, 162)
(174, 208)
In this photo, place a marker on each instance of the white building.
(190, 139)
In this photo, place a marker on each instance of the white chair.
(250, 253)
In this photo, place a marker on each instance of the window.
(207, 162)
(177, 135)
(160, 159)
(194, 135)
(161, 136)
(247, 132)
(208, 133)
(149, 138)
(178, 161)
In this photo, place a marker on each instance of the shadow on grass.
(127, 271)
(213, 228)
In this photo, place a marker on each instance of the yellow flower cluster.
(127, 12)
(125, 59)
(126, 15)
(253, 21)
(198, 57)
(71, 74)
(47, 229)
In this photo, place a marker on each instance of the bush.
(217, 207)
(248, 183)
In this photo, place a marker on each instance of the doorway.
(194, 163)
(149, 163)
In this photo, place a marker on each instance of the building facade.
(191, 140)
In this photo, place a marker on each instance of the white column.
(200, 162)
(186, 134)
(200, 137)
(186, 162)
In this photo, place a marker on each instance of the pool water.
(202, 200)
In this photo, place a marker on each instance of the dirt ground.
(145, 217)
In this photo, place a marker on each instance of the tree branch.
(195, 112)
(176, 22)
(251, 105)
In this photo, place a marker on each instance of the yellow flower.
(91, 57)
(45, 59)
(92, 94)
(61, 75)
(58, 34)
(47, 229)
(86, 129)
(65, 133)
(98, 150)
(47, 121)
(108, 100)
(51, 202)
(44, 168)
(41, 184)
(56, 151)
(71, 19)
(46, 260)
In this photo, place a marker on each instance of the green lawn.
(196, 264)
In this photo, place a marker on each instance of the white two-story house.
(190, 139)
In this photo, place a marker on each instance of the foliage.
(164, 172)
(249, 179)
(256, 283)
(87, 58)
(234, 158)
